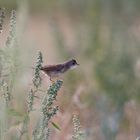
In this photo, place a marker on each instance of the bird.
(57, 70)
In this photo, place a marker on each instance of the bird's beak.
(78, 64)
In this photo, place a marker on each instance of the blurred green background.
(104, 37)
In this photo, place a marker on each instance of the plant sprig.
(78, 134)
(36, 82)
(2, 16)
(48, 110)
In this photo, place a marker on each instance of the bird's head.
(72, 63)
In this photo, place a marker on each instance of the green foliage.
(37, 78)
(78, 134)
(36, 83)
(11, 39)
(9, 59)
(8, 72)
(2, 16)
(48, 110)
(6, 93)
(56, 126)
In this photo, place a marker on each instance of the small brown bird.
(56, 70)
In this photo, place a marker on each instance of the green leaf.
(56, 126)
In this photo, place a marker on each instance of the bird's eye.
(73, 63)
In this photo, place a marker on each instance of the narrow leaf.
(56, 126)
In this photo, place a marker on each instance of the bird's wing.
(52, 67)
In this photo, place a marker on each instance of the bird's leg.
(60, 78)
(52, 80)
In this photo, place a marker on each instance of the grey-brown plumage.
(56, 70)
